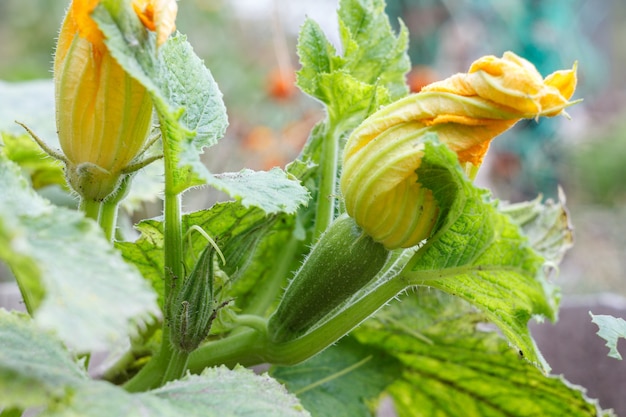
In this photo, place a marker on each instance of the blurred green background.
(249, 45)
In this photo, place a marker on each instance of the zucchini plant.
(368, 268)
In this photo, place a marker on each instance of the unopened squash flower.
(103, 114)
(379, 183)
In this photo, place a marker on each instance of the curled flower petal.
(80, 13)
(466, 111)
(158, 16)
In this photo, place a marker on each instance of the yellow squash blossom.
(103, 115)
(466, 111)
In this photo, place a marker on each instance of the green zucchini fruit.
(342, 262)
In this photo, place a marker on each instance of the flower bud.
(342, 262)
(466, 111)
(103, 114)
(193, 311)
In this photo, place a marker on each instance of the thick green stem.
(173, 247)
(253, 347)
(108, 219)
(318, 339)
(149, 377)
(168, 363)
(177, 366)
(328, 182)
(91, 208)
(109, 208)
(245, 348)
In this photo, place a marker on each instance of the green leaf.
(610, 329)
(216, 392)
(371, 71)
(42, 170)
(272, 191)
(70, 275)
(352, 108)
(481, 255)
(235, 228)
(35, 368)
(371, 51)
(345, 380)
(545, 224)
(187, 99)
(237, 392)
(257, 287)
(315, 53)
(451, 368)
(146, 253)
(190, 88)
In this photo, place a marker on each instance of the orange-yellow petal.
(80, 13)
(103, 114)
(379, 183)
(158, 16)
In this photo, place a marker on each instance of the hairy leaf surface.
(217, 392)
(452, 368)
(35, 368)
(481, 255)
(64, 266)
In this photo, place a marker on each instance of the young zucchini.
(343, 261)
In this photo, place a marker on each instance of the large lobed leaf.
(77, 284)
(37, 371)
(432, 353)
(35, 368)
(248, 237)
(450, 368)
(216, 392)
(481, 255)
